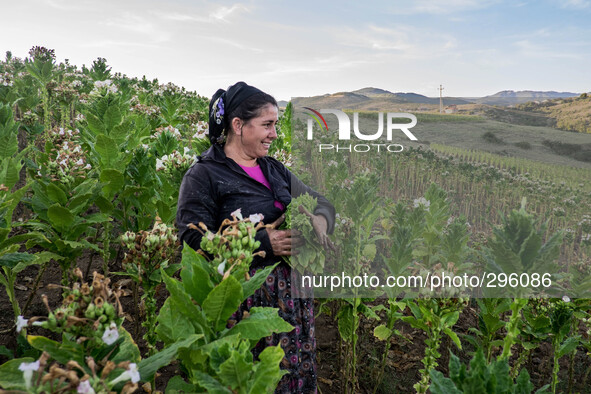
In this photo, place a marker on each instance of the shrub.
(491, 137)
(523, 145)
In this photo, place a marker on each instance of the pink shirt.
(257, 174)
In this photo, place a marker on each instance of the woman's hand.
(320, 226)
(282, 241)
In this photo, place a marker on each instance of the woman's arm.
(196, 204)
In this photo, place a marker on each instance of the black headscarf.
(222, 104)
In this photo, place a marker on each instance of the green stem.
(522, 357)
(556, 366)
(35, 287)
(106, 247)
(46, 117)
(382, 367)
(8, 283)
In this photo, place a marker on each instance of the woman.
(237, 173)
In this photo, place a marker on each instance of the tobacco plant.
(517, 247)
(147, 253)
(12, 260)
(490, 322)
(63, 220)
(211, 290)
(482, 377)
(41, 66)
(435, 317)
(95, 353)
(561, 323)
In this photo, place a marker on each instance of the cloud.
(402, 42)
(117, 43)
(214, 15)
(565, 42)
(538, 50)
(179, 17)
(442, 6)
(140, 25)
(235, 44)
(222, 13)
(575, 4)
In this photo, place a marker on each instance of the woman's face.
(259, 132)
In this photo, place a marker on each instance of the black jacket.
(216, 186)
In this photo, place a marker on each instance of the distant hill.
(373, 92)
(376, 99)
(511, 97)
(372, 99)
(409, 97)
(572, 114)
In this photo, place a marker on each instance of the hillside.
(370, 99)
(572, 114)
(374, 99)
(511, 97)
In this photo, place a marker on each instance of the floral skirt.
(299, 344)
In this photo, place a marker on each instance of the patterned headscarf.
(222, 104)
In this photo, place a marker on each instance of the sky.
(306, 48)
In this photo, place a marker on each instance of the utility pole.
(440, 99)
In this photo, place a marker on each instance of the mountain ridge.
(374, 97)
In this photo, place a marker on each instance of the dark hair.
(250, 108)
(239, 101)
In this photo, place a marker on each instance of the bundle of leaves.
(310, 256)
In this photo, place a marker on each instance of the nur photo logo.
(344, 130)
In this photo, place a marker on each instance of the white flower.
(159, 164)
(63, 162)
(186, 150)
(28, 369)
(79, 162)
(256, 217)
(85, 388)
(565, 298)
(77, 149)
(199, 135)
(421, 201)
(222, 267)
(111, 334)
(237, 214)
(21, 323)
(88, 167)
(132, 373)
(65, 145)
(62, 132)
